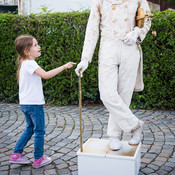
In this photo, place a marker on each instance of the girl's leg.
(39, 130)
(27, 134)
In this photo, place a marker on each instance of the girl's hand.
(69, 65)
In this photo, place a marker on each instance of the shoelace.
(15, 156)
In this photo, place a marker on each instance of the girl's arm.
(47, 75)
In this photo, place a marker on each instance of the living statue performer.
(120, 62)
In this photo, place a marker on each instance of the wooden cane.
(80, 111)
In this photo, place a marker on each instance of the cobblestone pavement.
(62, 139)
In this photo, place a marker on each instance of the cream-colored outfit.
(120, 65)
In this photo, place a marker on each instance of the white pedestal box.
(98, 159)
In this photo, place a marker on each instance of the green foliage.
(61, 37)
(45, 9)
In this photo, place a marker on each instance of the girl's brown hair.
(23, 43)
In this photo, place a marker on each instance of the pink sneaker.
(41, 162)
(18, 159)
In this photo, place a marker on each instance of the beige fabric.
(114, 18)
(118, 65)
(139, 85)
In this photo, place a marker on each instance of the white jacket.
(114, 18)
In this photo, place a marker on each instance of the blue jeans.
(35, 119)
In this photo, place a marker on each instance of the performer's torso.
(117, 16)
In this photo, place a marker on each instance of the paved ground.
(62, 139)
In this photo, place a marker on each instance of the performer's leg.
(109, 59)
(108, 79)
(107, 85)
(123, 116)
(130, 57)
(128, 71)
(113, 129)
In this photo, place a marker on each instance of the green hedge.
(61, 37)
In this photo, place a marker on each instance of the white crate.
(98, 159)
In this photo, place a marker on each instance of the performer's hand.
(131, 37)
(83, 65)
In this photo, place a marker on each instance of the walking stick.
(80, 111)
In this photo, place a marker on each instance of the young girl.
(31, 98)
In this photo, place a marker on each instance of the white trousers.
(118, 64)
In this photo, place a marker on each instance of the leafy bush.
(61, 37)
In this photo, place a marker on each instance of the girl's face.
(35, 50)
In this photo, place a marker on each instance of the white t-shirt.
(30, 84)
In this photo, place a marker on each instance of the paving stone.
(147, 170)
(73, 168)
(173, 172)
(166, 168)
(50, 172)
(64, 150)
(172, 160)
(26, 167)
(54, 148)
(49, 166)
(146, 160)
(49, 152)
(2, 150)
(4, 168)
(143, 165)
(156, 146)
(158, 163)
(25, 172)
(62, 165)
(5, 163)
(169, 151)
(163, 154)
(15, 170)
(56, 156)
(64, 171)
(154, 167)
(29, 155)
(59, 161)
(144, 150)
(162, 159)
(74, 172)
(37, 171)
(161, 172)
(4, 172)
(150, 156)
(66, 157)
(170, 164)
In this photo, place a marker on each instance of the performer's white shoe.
(137, 135)
(114, 143)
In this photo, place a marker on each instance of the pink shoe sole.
(18, 159)
(15, 162)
